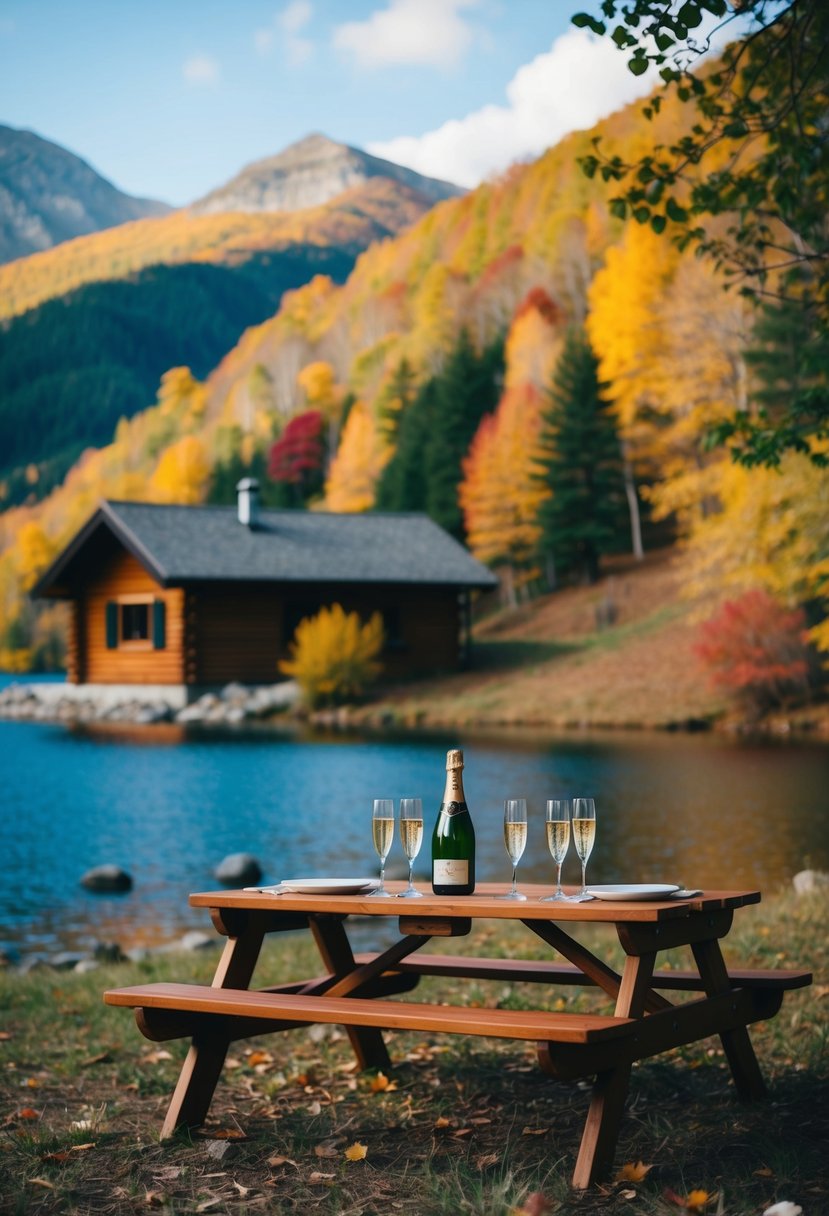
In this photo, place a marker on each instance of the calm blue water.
(168, 807)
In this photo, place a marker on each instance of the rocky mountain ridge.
(309, 173)
(49, 195)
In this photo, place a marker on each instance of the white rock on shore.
(235, 704)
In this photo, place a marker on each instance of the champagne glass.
(515, 838)
(584, 835)
(382, 827)
(558, 840)
(411, 836)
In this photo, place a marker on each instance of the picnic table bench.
(355, 991)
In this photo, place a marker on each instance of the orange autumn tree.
(500, 495)
(358, 463)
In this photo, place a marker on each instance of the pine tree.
(402, 484)
(581, 466)
(468, 388)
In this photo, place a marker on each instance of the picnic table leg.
(337, 955)
(607, 1104)
(736, 1043)
(204, 1061)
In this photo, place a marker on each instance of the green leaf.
(663, 40)
(585, 21)
(642, 214)
(618, 208)
(735, 129)
(638, 64)
(690, 14)
(658, 223)
(678, 214)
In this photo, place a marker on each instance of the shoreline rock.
(74, 705)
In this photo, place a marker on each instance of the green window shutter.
(112, 625)
(159, 624)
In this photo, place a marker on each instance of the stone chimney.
(247, 492)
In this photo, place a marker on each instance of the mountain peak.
(308, 173)
(49, 195)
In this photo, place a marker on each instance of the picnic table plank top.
(485, 903)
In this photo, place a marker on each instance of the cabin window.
(135, 622)
(392, 629)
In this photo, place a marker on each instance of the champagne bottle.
(453, 840)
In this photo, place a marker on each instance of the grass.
(459, 1126)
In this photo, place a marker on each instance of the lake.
(168, 805)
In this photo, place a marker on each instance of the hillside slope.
(49, 195)
(558, 663)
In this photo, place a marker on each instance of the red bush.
(299, 449)
(756, 647)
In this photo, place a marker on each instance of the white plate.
(636, 890)
(329, 886)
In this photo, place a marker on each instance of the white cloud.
(422, 32)
(574, 84)
(201, 69)
(286, 28)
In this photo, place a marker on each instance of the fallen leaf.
(764, 1172)
(155, 1057)
(535, 1131)
(216, 1149)
(315, 1108)
(243, 1190)
(631, 1172)
(480, 1121)
(627, 1194)
(536, 1205)
(82, 1148)
(326, 1150)
(50, 1186)
(207, 1204)
(382, 1084)
(275, 1162)
(784, 1208)
(316, 1176)
(441, 1122)
(5, 1035)
(154, 1199)
(103, 1058)
(462, 1131)
(486, 1160)
(60, 1158)
(225, 1133)
(31, 1083)
(28, 1112)
(356, 1152)
(259, 1057)
(697, 1199)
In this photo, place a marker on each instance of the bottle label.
(450, 873)
(452, 808)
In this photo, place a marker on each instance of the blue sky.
(169, 98)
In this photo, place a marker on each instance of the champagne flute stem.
(411, 867)
(584, 878)
(383, 874)
(558, 878)
(514, 887)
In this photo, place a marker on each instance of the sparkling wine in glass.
(382, 828)
(584, 836)
(515, 838)
(411, 836)
(558, 840)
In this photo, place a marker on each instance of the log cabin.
(193, 598)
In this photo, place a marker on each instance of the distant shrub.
(756, 648)
(333, 656)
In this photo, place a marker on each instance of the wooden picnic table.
(354, 990)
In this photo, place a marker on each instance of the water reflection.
(168, 805)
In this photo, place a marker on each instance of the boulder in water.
(238, 869)
(107, 878)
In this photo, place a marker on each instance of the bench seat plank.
(525, 1024)
(539, 972)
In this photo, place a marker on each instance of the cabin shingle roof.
(181, 544)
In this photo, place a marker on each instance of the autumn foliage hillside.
(483, 365)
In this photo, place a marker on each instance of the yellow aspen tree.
(358, 463)
(534, 341)
(34, 551)
(182, 472)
